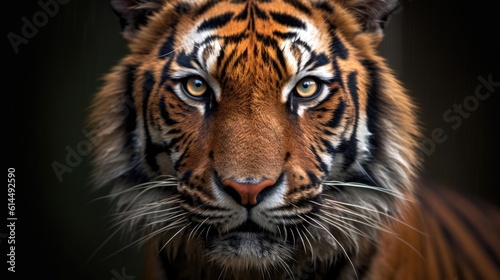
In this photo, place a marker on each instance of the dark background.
(437, 49)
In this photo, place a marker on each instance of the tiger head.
(249, 135)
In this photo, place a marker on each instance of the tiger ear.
(372, 14)
(135, 13)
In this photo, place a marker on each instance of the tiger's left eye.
(307, 88)
(195, 87)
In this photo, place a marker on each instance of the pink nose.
(248, 192)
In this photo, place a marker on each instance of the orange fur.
(340, 168)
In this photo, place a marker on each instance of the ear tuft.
(135, 13)
(372, 14)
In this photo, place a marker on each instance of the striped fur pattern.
(290, 92)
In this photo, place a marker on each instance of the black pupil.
(306, 84)
(198, 83)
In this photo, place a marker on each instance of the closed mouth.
(249, 226)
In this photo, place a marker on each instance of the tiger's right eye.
(307, 88)
(195, 87)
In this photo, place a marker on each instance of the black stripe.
(324, 6)
(277, 68)
(352, 85)
(351, 146)
(293, 104)
(210, 106)
(274, 64)
(171, 144)
(151, 149)
(235, 38)
(209, 40)
(319, 107)
(328, 145)
(271, 42)
(164, 72)
(328, 132)
(338, 73)
(366, 177)
(205, 7)
(220, 58)
(184, 60)
(266, 40)
(184, 155)
(285, 35)
(337, 115)
(374, 107)
(259, 13)
(303, 44)
(168, 47)
(243, 15)
(149, 82)
(338, 48)
(215, 22)
(130, 122)
(317, 60)
(345, 148)
(186, 176)
(135, 175)
(182, 8)
(281, 58)
(321, 165)
(223, 69)
(241, 59)
(299, 6)
(194, 56)
(174, 131)
(251, 22)
(164, 113)
(288, 20)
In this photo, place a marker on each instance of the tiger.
(269, 139)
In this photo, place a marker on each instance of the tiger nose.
(246, 194)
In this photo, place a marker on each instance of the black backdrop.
(437, 48)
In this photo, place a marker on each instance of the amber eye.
(306, 88)
(195, 87)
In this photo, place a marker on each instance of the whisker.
(340, 245)
(301, 240)
(377, 212)
(166, 220)
(144, 212)
(310, 244)
(341, 208)
(366, 173)
(195, 229)
(174, 236)
(344, 225)
(143, 239)
(178, 48)
(285, 267)
(397, 194)
(162, 181)
(373, 223)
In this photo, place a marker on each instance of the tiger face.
(247, 135)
